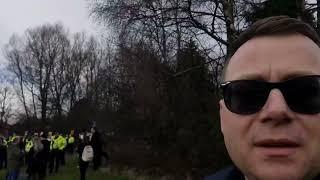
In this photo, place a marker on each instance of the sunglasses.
(302, 94)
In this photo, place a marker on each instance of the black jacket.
(232, 173)
(229, 173)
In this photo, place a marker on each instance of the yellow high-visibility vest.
(54, 143)
(62, 142)
(51, 144)
(13, 138)
(28, 146)
(5, 142)
(71, 140)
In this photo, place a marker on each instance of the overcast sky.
(18, 15)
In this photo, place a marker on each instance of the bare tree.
(148, 21)
(15, 55)
(34, 59)
(93, 64)
(74, 68)
(5, 107)
(54, 71)
(167, 25)
(59, 73)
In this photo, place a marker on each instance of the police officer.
(3, 152)
(62, 144)
(44, 155)
(71, 141)
(29, 152)
(54, 158)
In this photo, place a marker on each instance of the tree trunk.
(228, 6)
(44, 112)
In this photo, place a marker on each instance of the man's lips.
(277, 147)
(270, 143)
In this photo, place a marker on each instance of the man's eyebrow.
(297, 74)
(250, 77)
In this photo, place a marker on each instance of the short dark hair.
(275, 25)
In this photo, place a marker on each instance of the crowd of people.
(43, 153)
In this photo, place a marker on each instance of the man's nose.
(276, 108)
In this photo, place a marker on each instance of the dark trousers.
(37, 169)
(105, 155)
(83, 166)
(54, 161)
(5, 159)
(63, 157)
(42, 170)
(60, 157)
(36, 176)
(32, 167)
(70, 148)
(2, 158)
(96, 161)
(31, 164)
(12, 175)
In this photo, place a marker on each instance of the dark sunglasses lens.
(245, 97)
(303, 94)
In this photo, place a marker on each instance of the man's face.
(273, 59)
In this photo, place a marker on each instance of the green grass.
(2, 174)
(71, 172)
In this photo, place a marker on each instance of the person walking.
(15, 159)
(62, 144)
(71, 141)
(3, 152)
(96, 144)
(29, 153)
(54, 156)
(44, 155)
(36, 160)
(84, 155)
(39, 159)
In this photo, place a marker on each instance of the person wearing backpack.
(84, 156)
(96, 143)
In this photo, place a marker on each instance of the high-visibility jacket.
(62, 143)
(5, 142)
(12, 138)
(28, 146)
(54, 143)
(71, 140)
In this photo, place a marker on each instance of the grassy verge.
(71, 172)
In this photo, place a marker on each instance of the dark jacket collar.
(229, 173)
(232, 173)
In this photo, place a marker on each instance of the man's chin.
(277, 173)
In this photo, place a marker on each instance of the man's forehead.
(257, 75)
(275, 57)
